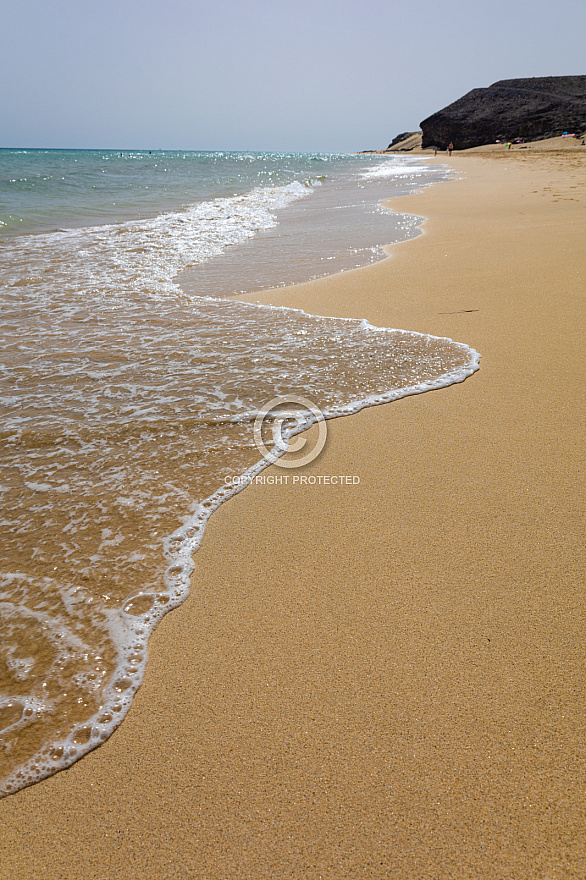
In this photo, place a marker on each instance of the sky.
(309, 75)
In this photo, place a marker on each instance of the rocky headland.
(508, 110)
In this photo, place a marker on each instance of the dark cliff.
(512, 108)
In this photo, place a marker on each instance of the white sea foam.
(402, 168)
(146, 255)
(129, 626)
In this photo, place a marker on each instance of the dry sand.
(566, 143)
(384, 680)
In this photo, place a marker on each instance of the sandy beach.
(384, 679)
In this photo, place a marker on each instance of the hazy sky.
(265, 74)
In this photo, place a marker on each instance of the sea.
(132, 380)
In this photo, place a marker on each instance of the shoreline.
(187, 536)
(379, 682)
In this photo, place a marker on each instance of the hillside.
(512, 108)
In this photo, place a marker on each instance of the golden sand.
(412, 144)
(383, 680)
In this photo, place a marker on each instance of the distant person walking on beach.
(450, 148)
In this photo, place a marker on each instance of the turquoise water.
(41, 190)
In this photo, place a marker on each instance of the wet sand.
(381, 680)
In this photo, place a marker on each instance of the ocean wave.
(403, 168)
